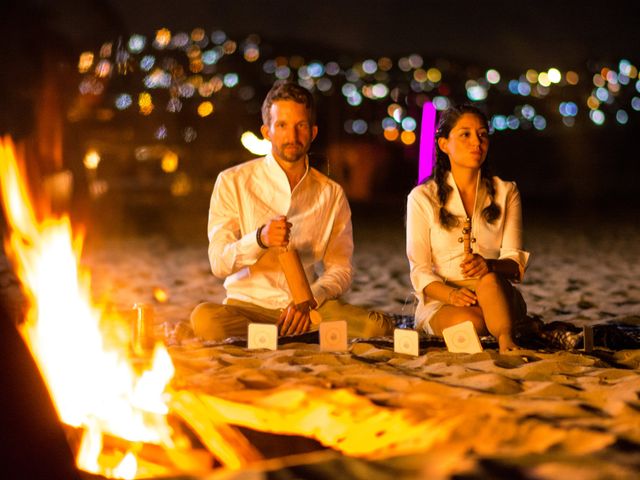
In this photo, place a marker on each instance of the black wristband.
(258, 239)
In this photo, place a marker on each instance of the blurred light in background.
(218, 37)
(635, 103)
(543, 79)
(145, 103)
(332, 68)
(597, 117)
(147, 62)
(123, 101)
(539, 122)
(499, 122)
(528, 112)
(231, 80)
(385, 64)
(531, 76)
(359, 126)
(568, 109)
(441, 103)
(189, 134)
(408, 138)
(475, 91)
(554, 75)
(205, 109)
(622, 117)
(91, 159)
(572, 78)
(409, 124)
(136, 43)
(162, 39)
(493, 76)
(257, 146)
(161, 133)
(369, 66)
(180, 40)
(103, 68)
(174, 105)
(512, 122)
(391, 134)
(85, 62)
(169, 162)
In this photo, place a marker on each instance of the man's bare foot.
(506, 343)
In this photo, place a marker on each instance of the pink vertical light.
(427, 156)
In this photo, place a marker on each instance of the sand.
(538, 414)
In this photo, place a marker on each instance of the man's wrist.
(259, 238)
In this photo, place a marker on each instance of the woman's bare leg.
(449, 316)
(495, 298)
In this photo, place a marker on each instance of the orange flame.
(87, 372)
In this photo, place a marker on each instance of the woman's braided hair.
(448, 120)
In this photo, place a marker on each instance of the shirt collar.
(275, 169)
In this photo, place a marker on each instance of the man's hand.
(295, 319)
(276, 232)
(474, 266)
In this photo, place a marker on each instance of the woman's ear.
(443, 144)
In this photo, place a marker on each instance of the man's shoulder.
(243, 169)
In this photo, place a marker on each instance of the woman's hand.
(462, 297)
(475, 266)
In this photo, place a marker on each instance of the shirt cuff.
(319, 294)
(249, 245)
(521, 257)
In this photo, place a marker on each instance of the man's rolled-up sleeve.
(229, 249)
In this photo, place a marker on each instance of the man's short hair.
(285, 90)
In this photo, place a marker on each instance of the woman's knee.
(489, 284)
(449, 316)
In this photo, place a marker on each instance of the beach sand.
(536, 414)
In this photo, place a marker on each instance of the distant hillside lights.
(189, 68)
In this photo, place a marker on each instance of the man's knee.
(205, 321)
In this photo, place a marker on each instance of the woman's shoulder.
(426, 189)
(506, 186)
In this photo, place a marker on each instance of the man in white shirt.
(260, 208)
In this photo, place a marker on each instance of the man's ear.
(443, 143)
(264, 130)
(314, 132)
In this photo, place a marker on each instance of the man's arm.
(229, 250)
(337, 274)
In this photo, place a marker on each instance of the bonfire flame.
(89, 375)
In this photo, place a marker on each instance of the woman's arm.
(459, 297)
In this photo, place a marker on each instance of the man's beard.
(301, 151)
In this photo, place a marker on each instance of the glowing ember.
(81, 352)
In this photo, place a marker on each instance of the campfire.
(107, 394)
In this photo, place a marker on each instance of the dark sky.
(516, 33)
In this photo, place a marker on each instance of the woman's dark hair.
(448, 120)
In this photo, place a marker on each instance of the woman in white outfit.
(452, 285)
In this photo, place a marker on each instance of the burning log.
(337, 418)
(226, 443)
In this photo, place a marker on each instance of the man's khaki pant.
(212, 321)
